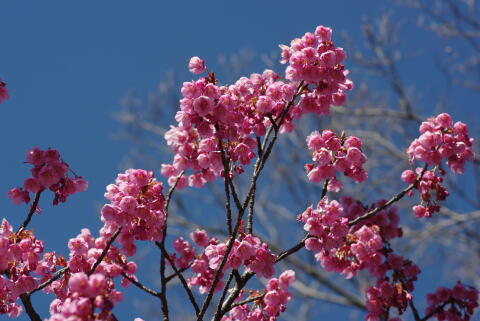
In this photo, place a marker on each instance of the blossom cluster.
(395, 277)
(3, 91)
(315, 60)
(20, 255)
(219, 120)
(247, 250)
(333, 154)
(336, 248)
(136, 206)
(430, 183)
(347, 249)
(387, 220)
(49, 172)
(453, 304)
(203, 275)
(85, 293)
(441, 139)
(269, 305)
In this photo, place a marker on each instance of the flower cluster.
(186, 252)
(203, 275)
(3, 91)
(19, 257)
(136, 206)
(247, 250)
(387, 220)
(269, 305)
(83, 292)
(336, 248)
(348, 249)
(90, 297)
(430, 182)
(215, 120)
(333, 154)
(395, 277)
(315, 60)
(441, 139)
(453, 304)
(49, 172)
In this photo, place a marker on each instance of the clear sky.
(68, 63)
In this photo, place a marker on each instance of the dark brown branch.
(105, 251)
(431, 314)
(226, 181)
(246, 301)
(394, 199)
(181, 277)
(416, 316)
(33, 208)
(174, 275)
(55, 277)
(141, 286)
(292, 250)
(325, 188)
(27, 303)
(163, 287)
(225, 290)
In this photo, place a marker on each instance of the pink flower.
(79, 283)
(203, 105)
(196, 65)
(18, 195)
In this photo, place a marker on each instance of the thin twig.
(163, 288)
(416, 316)
(394, 199)
(105, 251)
(226, 174)
(292, 250)
(55, 277)
(325, 188)
(141, 286)
(33, 208)
(249, 300)
(174, 275)
(181, 277)
(224, 292)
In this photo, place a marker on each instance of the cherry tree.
(223, 133)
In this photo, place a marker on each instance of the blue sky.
(68, 63)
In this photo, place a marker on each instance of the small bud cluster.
(453, 304)
(49, 172)
(269, 306)
(333, 154)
